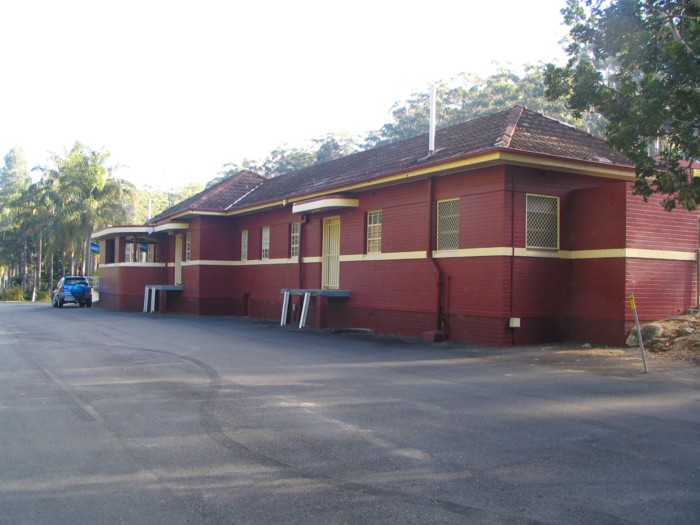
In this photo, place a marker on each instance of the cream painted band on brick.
(614, 253)
(661, 254)
(503, 251)
(496, 251)
(133, 265)
(249, 262)
(391, 256)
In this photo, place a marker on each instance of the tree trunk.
(49, 271)
(24, 266)
(37, 280)
(86, 255)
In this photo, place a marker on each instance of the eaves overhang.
(471, 161)
(325, 203)
(115, 231)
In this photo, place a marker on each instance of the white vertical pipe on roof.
(431, 135)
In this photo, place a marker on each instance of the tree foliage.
(56, 215)
(637, 63)
(469, 96)
(465, 97)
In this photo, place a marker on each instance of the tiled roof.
(218, 197)
(516, 129)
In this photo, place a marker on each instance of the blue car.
(72, 289)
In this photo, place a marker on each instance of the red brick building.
(516, 229)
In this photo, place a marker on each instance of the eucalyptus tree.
(468, 96)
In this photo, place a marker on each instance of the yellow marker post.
(633, 305)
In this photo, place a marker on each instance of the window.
(265, 253)
(294, 238)
(109, 250)
(188, 247)
(374, 231)
(656, 146)
(448, 225)
(129, 252)
(542, 222)
(244, 245)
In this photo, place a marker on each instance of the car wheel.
(60, 303)
(82, 304)
(88, 304)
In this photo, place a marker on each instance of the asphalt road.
(129, 418)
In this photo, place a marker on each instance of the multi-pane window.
(374, 231)
(244, 245)
(542, 222)
(265, 253)
(188, 247)
(294, 237)
(448, 224)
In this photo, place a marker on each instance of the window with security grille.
(448, 225)
(265, 243)
(188, 247)
(542, 222)
(374, 231)
(294, 239)
(244, 245)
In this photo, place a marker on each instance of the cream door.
(178, 259)
(331, 253)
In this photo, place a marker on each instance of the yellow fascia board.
(598, 169)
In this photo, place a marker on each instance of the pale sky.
(174, 89)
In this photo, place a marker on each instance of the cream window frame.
(265, 243)
(374, 231)
(542, 221)
(244, 245)
(188, 246)
(294, 239)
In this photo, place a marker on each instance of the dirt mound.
(679, 338)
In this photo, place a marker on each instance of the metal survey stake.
(633, 305)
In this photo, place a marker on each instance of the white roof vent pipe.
(431, 134)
